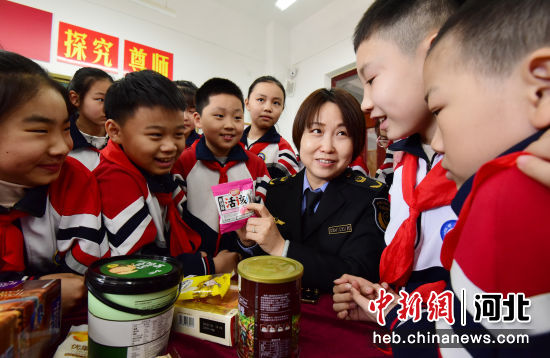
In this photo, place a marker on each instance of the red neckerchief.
(181, 235)
(222, 169)
(485, 172)
(434, 191)
(11, 242)
(257, 148)
(451, 239)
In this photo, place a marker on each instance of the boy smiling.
(141, 200)
(217, 158)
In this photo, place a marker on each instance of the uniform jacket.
(501, 211)
(196, 179)
(432, 224)
(62, 227)
(275, 151)
(82, 151)
(347, 234)
(134, 218)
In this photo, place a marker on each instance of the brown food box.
(38, 305)
(211, 318)
(8, 329)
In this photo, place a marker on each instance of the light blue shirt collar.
(307, 186)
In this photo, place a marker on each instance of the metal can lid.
(270, 269)
(134, 274)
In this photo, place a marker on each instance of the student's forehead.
(373, 51)
(225, 101)
(155, 115)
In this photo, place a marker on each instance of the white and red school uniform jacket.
(61, 223)
(275, 151)
(199, 170)
(359, 165)
(431, 226)
(499, 246)
(84, 152)
(141, 212)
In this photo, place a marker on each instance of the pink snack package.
(231, 200)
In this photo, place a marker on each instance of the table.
(321, 335)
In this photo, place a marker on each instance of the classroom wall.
(321, 47)
(210, 39)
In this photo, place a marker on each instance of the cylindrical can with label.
(131, 304)
(269, 307)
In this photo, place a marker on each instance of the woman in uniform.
(327, 217)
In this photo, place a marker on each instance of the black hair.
(84, 78)
(141, 89)
(189, 89)
(21, 79)
(268, 79)
(405, 22)
(213, 87)
(353, 117)
(493, 35)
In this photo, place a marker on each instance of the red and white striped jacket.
(275, 151)
(61, 227)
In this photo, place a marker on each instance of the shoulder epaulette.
(278, 181)
(364, 181)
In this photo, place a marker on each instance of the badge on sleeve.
(381, 213)
(446, 227)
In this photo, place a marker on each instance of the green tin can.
(269, 307)
(131, 304)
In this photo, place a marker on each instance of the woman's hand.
(264, 231)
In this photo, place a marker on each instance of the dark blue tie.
(312, 198)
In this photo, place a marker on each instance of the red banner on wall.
(84, 47)
(25, 30)
(139, 57)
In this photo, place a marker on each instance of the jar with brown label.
(269, 307)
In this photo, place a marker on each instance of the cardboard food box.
(37, 304)
(212, 319)
(8, 329)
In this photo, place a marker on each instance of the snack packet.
(231, 200)
(204, 286)
(76, 343)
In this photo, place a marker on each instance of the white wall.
(205, 41)
(322, 47)
(209, 39)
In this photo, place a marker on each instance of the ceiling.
(260, 9)
(265, 9)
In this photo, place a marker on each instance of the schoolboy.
(50, 213)
(217, 157)
(487, 81)
(140, 199)
(189, 89)
(391, 42)
(489, 69)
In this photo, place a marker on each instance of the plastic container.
(269, 307)
(130, 305)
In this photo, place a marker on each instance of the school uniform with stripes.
(85, 147)
(142, 212)
(420, 217)
(56, 227)
(198, 170)
(499, 246)
(275, 151)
